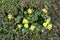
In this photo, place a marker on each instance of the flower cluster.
(47, 24)
(26, 21)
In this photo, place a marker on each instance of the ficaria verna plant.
(33, 20)
(17, 22)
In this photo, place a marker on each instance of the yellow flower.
(49, 26)
(44, 24)
(19, 26)
(10, 16)
(25, 21)
(26, 25)
(29, 11)
(32, 27)
(44, 10)
(47, 21)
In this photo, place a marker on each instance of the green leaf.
(17, 20)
